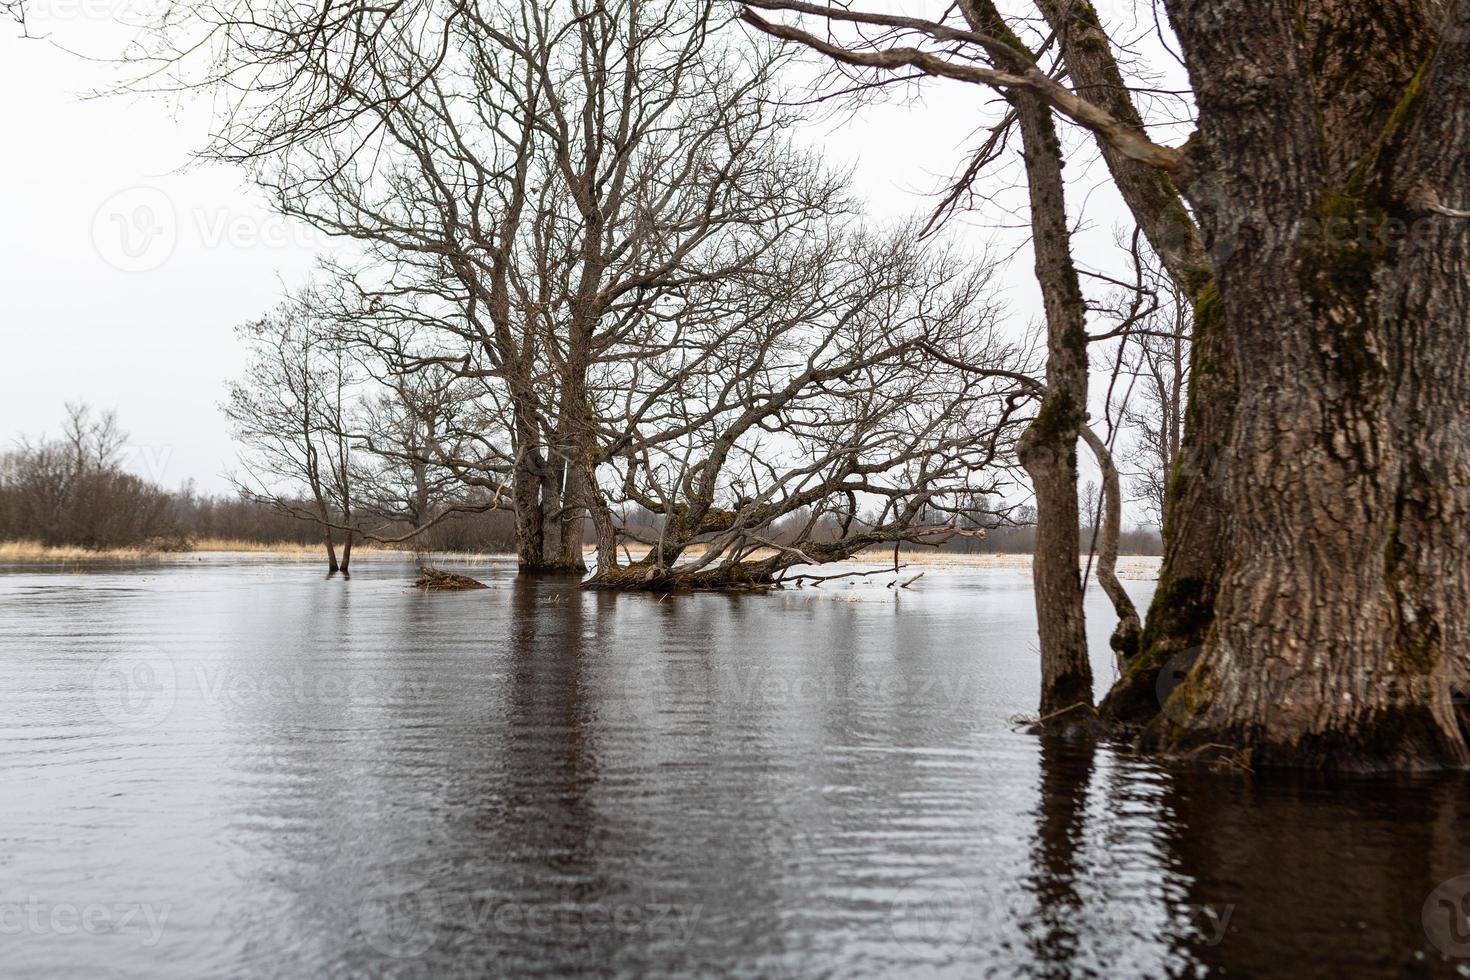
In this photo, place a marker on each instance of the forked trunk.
(536, 491)
(1196, 529)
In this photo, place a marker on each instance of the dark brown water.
(235, 767)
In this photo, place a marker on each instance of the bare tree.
(289, 414)
(553, 202)
(72, 489)
(1048, 447)
(806, 397)
(1156, 360)
(545, 176)
(416, 463)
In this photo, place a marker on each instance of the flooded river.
(232, 766)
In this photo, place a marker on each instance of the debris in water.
(438, 580)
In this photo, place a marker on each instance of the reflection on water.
(231, 768)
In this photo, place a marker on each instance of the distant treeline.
(72, 492)
(104, 510)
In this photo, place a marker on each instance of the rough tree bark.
(526, 500)
(537, 493)
(1331, 146)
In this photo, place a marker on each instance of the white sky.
(124, 271)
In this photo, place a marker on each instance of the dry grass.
(291, 549)
(34, 551)
(273, 547)
(942, 559)
(1140, 568)
(17, 551)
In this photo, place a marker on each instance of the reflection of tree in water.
(723, 821)
(1322, 878)
(533, 772)
(1053, 932)
(1258, 876)
(552, 831)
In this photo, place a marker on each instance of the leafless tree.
(995, 53)
(72, 489)
(1156, 361)
(807, 396)
(289, 413)
(559, 202)
(341, 440)
(416, 463)
(542, 177)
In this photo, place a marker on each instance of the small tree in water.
(287, 413)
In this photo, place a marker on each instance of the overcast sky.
(125, 269)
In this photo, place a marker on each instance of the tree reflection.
(1053, 932)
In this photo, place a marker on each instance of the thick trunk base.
(1178, 619)
(1413, 738)
(552, 567)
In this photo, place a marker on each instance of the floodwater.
(232, 767)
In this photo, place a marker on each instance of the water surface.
(232, 766)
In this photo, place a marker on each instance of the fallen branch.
(819, 579)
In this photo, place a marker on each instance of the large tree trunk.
(538, 493)
(1327, 139)
(571, 517)
(605, 530)
(575, 435)
(525, 491)
(526, 497)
